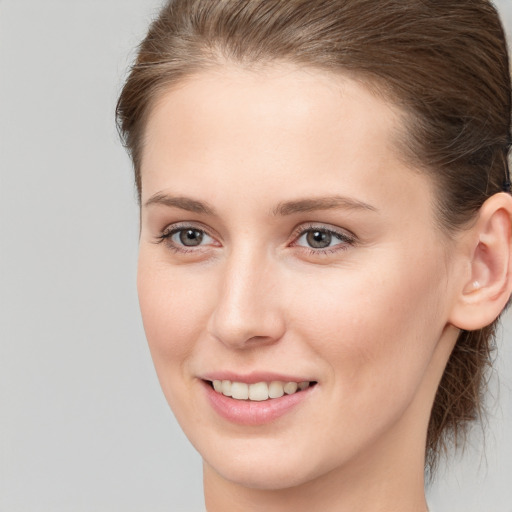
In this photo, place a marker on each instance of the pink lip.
(246, 412)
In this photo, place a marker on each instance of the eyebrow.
(282, 209)
(321, 203)
(184, 203)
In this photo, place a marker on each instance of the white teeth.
(259, 391)
(240, 390)
(290, 388)
(275, 390)
(226, 387)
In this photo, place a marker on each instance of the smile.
(258, 402)
(259, 391)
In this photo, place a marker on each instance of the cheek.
(376, 325)
(173, 309)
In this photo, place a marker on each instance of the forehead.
(278, 98)
(277, 131)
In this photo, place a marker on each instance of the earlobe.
(486, 290)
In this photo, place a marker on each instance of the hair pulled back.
(443, 62)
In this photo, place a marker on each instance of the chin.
(266, 475)
(265, 463)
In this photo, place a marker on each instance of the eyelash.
(345, 240)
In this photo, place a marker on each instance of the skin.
(370, 318)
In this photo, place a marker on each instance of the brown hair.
(444, 62)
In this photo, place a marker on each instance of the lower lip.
(248, 412)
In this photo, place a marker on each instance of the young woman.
(325, 238)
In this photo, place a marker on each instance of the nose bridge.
(247, 308)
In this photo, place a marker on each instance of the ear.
(486, 286)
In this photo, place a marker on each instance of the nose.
(247, 311)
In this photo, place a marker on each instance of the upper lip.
(253, 377)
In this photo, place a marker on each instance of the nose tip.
(238, 327)
(247, 312)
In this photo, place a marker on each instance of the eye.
(186, 238)
(321, 238)
(318, 239)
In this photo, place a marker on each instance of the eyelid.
(310, 226)
(192, 224)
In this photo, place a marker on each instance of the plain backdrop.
(83, 423)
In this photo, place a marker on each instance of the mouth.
(258, 391)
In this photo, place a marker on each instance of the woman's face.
(283, 240)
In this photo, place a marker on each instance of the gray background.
(83, 423)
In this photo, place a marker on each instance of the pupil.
(319, 239)
(191, 237)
